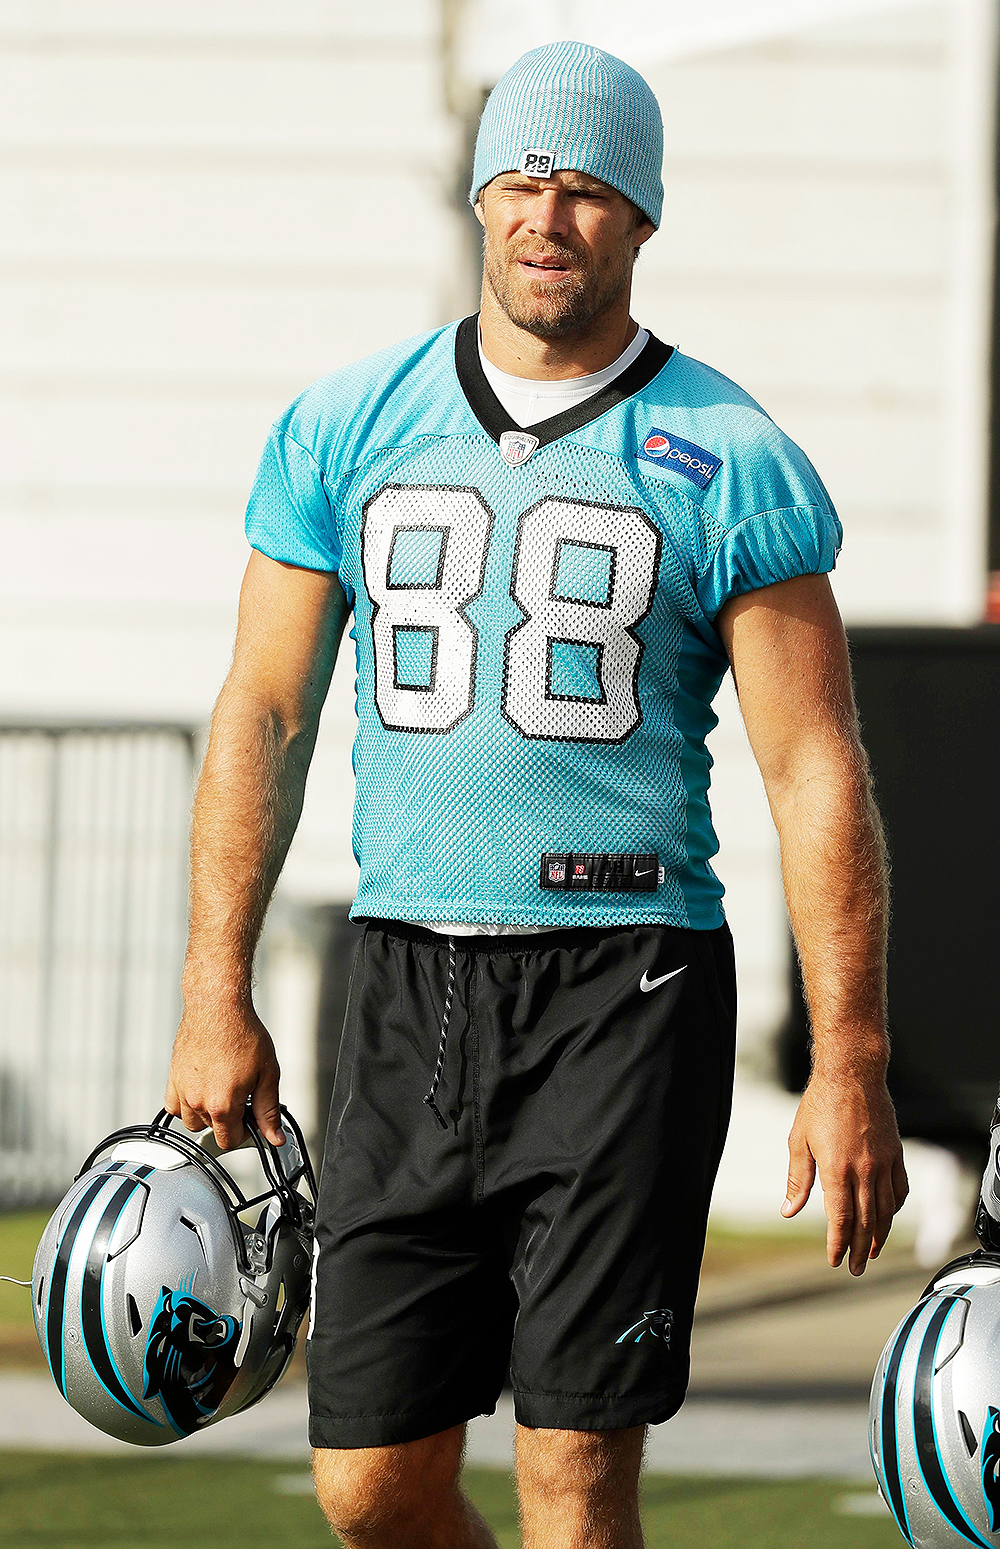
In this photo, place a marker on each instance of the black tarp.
(929, 702)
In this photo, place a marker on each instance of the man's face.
(558, 251)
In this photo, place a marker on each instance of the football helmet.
(167, 1296)
(934, 1415)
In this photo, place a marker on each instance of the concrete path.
(709, 1436)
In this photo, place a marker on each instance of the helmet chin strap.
(11, 1281)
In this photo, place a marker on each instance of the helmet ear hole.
(968, 1434)
(41, 1292)
(134, 1317)
(193, 1226)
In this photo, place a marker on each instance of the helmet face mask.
(934, 1424)
(167, 1295)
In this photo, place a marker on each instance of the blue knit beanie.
(573, 106)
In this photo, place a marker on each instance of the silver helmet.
(934, 1415)
(166, 1296)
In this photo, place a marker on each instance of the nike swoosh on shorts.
(646, 984)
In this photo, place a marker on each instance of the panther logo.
(990, 1465)
(189, 1361)
(659, 1323)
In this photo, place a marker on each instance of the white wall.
(202, 206)
(645, 32)
(826, 193)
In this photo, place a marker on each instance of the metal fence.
(93, 841)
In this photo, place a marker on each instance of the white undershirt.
(528, 402)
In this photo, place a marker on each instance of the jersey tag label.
(575, 871)
(666, 450)
(516, 446)
(536, 163)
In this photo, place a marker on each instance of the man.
(555, 534)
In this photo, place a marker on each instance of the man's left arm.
(789, 656)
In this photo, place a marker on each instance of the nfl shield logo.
(516, 446)
(557, 871)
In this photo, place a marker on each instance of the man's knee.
(559, 1463)
(367, 1492)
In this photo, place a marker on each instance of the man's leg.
(579, 1489)
(401, 1497)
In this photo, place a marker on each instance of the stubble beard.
(566, 308)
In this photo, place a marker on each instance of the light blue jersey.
(535, 621)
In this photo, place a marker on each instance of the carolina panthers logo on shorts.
(658, 1324)
(990, 1463)
(189, 1359)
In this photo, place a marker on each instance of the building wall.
(816, 248)
(202, 209)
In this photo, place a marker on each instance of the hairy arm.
(789, 656)
(247, 805)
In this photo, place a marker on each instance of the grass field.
(19, 1234)
(728, 1251)
(50, 1501)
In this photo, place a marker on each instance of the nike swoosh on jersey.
(646, 983)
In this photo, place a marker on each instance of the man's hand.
(217, 1064)
(846, 1127)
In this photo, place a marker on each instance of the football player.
(555, 535)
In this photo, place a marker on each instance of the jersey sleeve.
(289, 516)
(768, 547)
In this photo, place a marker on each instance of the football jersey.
(534, 621)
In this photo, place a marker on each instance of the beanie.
(568, 105)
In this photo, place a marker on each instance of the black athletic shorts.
(549, 1220)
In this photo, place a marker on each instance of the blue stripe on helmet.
(55, 1306)
(92, 1324)
(924, 1431)
(889, 1428)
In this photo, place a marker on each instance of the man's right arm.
(246, 810)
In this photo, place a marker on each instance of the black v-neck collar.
(492, 415)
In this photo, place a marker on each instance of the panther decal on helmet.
(990, 1465)
(189, 1360)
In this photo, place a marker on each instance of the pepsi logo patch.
(536, 163)
(665, 450)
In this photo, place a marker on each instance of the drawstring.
(443, 1040)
